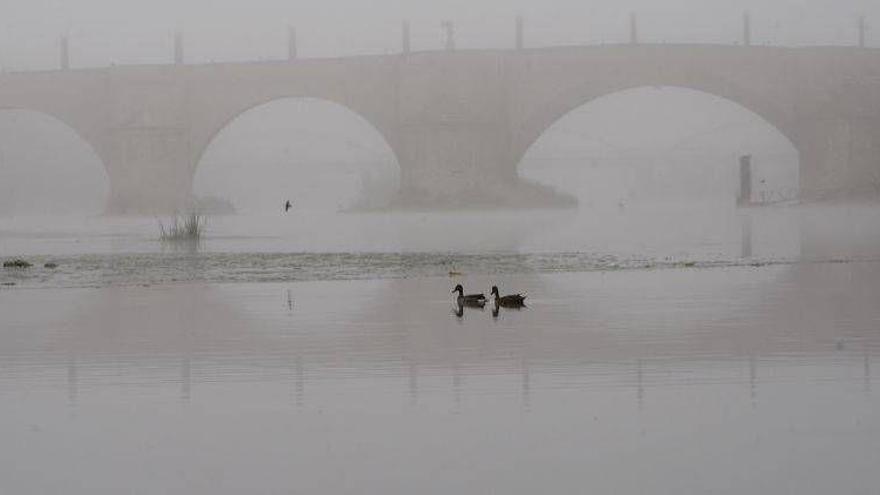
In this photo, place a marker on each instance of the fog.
(47, 169)
(691, 140)
(625, 153)
(229, 231)
(647, 143)
(660, 144)
(318, 154)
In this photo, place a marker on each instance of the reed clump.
(188, 227)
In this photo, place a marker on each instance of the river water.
(674, 349)
(305, 245)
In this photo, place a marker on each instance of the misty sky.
(135, 31)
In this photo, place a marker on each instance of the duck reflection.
(459, 305)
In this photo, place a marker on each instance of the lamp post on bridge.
(745, 181)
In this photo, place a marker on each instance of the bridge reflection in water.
(674, 357)
(387, 331)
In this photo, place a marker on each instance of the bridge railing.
(447, 37)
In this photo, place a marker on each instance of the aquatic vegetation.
(16, 263)
(189, 227)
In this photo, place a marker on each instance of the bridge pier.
(466, 166)
(149, 170)
(745, 181)
(840, 158)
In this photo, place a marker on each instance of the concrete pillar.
(745, 180)
(449, 30)
(405, 41)
(862, 29)
(839, 157)
(178, 48)
(464, 164)
(520, 36)
(291, 43)
(633, 29)
(150, 170)
(65, 53)
(747, 29)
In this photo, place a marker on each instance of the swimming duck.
(473, 300)
(509, 301)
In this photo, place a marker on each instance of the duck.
(473, 300)
(509, 301)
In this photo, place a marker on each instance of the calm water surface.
(724, 380)
(118, 251)
(754, 371)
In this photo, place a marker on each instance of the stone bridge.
(458, 122)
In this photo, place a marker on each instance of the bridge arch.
(314, 130)
(66, 182)
(547, 111)
(771, 122)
